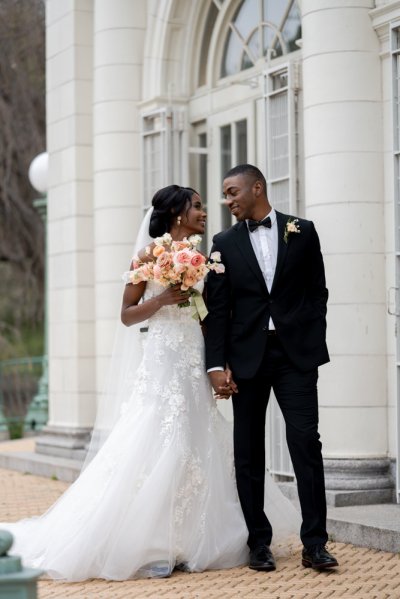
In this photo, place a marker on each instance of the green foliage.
(15, 428)
(21, 342)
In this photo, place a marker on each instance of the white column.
(344, 196)
(70, 221)
(119, 35)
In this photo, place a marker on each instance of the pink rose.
(197, 259)
(182, 257)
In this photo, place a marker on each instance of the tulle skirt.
(160, 493)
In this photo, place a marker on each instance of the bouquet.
(177, 262)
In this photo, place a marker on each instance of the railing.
(19, 381)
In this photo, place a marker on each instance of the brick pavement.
(363, 574)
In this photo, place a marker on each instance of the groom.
(267, 324)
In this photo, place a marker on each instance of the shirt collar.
(271, 214)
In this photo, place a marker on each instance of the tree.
(22, 137)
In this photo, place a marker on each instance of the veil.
(125, 359)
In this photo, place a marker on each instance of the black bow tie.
(254, 224)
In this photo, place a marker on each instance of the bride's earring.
(178, 221)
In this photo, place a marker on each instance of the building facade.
(144, 94)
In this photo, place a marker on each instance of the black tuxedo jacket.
(240, 305)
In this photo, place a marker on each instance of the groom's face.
(241, 196)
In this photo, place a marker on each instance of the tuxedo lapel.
(243, 241)
(281, 220)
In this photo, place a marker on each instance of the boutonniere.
(291, 227)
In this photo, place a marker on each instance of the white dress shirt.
(265, 246)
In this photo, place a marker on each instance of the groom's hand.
(222, 383)
(230, 381)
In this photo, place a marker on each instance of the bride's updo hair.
(168, 203)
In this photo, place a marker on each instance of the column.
(70, 227)
(119, 36)
(344, 197)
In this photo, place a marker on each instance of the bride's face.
(194, 218)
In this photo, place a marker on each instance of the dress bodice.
(173, 312)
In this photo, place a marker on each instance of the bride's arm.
(133, 312)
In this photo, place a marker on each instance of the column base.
(361, 481)
(65, 442)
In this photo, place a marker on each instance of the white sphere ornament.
(38, 172)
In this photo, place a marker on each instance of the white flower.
(164, 239)
(291, 227)
(195, 240)
(216, 256)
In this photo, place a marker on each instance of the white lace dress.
(161, 491)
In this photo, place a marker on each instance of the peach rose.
(180, 245)
(190, 279)
(158, 250)
(164, 260)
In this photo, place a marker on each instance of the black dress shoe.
(318, 557)
(261, 558)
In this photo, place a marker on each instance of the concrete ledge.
(373, 526)
(341, 498)
(21, 456)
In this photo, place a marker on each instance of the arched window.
(259, 28)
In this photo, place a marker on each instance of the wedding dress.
(160, 493)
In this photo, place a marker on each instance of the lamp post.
(38, 410)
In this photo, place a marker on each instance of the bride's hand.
(173, 295)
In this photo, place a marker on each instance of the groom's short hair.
(248, 170)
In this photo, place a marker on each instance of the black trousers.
(296, 393)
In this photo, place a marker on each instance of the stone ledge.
(41, 465)
(341, 498)
(373, 526)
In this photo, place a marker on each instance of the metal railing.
(19, 381)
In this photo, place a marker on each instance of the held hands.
(223, 383)
(173, 295)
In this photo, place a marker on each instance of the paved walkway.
(363, 573)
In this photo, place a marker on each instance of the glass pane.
(226, 164)
(269, 35)
(254, 44)
(246, 63)
(396, 101)
(274, 11)
(152, 166)
(247, 17)
(231, 62)
(226, 150)
(277, 49)
(279, 136)
(205, 45)
(203, 185)
(292, 29)
(241, 142)
(279, 80)
(278, 194)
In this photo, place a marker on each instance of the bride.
(159, 492)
